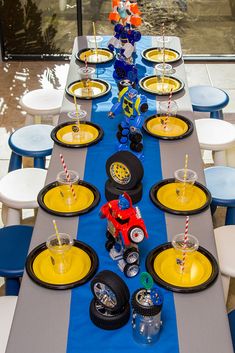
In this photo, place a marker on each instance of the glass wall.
(37, 27)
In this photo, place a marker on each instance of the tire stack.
(110, 308)
(125, 173)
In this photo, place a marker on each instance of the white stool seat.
(225, 243)
(20, 188)
(215, 134)
(42, 101)
(7, 309)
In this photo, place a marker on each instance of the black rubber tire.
(132, 239)
(128, 267)
(116, 285)
(135, 137)
(113, 321)
(125, 83)
(119, 135)
(112, 193)
(109, 244)
(132, 163)
(108, 235)
(144, 310)
(127, 255)
(136, 147)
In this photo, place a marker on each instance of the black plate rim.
(143, 53)
(105, 83)
(152, 255)
(41, 247)
(170, 138)
(162, 94)
(77, 56)
(63, 144)
(164, 208)
(68, 214)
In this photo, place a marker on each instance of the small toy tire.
(145, 310)
(136, 235)
(109, 244)
(135, 137)
(131, 255)
(137, 147)
(107, 320)
(131, 270)
(110, 290)
(124, 170)
(113, 193)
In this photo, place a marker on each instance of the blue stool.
(221, 183)
(14, 245)
(231, 319)
(30, 141)
(208, 99)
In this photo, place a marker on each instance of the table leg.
(230, 216)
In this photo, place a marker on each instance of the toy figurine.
(133, 106)
(126, 12)
(125, 230)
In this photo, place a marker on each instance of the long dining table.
(57, 321)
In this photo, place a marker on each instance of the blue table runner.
(83, 335)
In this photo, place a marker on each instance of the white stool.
(217, 136)
(225, 243)
(19, 190)
(43, 102)
(7, 309)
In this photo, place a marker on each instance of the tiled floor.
(16, 78)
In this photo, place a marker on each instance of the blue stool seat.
(209, 99)
(231, 318)
(30, 141)
(14, 245)
(221, 183)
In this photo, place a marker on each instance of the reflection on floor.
(16, 78)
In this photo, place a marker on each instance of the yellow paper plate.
(161, 264)
(102, 55)
(177, 127)
(155, 55)
(53, 199)
(161, 86)
(164, 196)
(95, 88)
(67, 135)
(84, 263)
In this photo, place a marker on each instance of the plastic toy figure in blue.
(133, 106)
(124, 43)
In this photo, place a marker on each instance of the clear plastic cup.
(166, 39)
(60, 252)
(66, 191)
(86, 75)
(167, 114)
(92, 41)
(184, 251)
(185, 179)
(164, 69)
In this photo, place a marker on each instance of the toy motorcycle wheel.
(131, 256)
(110, 290)
(136, 235)
(135, 137)
(106, 319)
(131, 270)
(124, 170)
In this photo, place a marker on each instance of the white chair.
(217, 136)
(19, 190)
(225, 243)
(7, 309)
(43, 103)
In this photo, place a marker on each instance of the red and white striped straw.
(168, 110)
(185, 243)
(67, 176)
